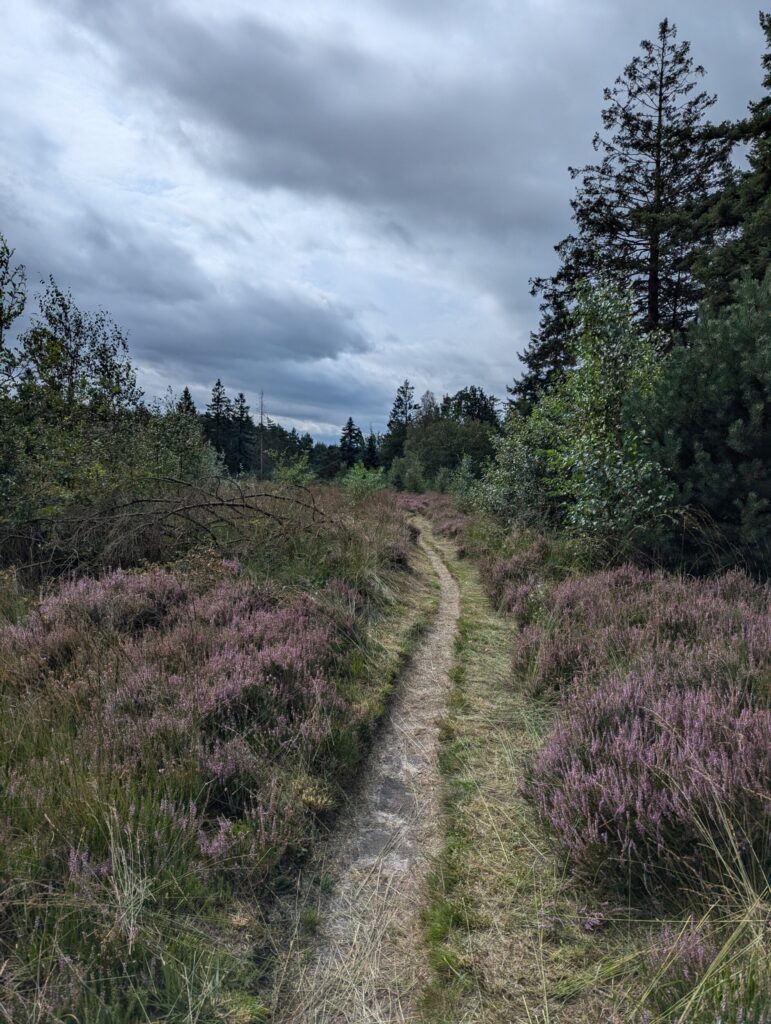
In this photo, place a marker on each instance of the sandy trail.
(368, 965)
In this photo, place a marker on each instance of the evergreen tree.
(218, 417)
(242, 442)
(371, 454)
(471, 403)
(325, 460)
(709, 426)
(634, 210)
(404, 408)
(743, 212)
(185, 404)
(402, 414)
(351, 444)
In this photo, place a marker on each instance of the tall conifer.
(634, 209)
(351, 444)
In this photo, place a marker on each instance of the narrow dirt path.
(368, 965)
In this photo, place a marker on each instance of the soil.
(367, 964)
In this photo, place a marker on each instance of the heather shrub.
(712, 970)
(586, 626)
(508, 575)
(169, 739)
(650, 781)
(415, 503)
(658, 767)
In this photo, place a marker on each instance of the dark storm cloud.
(250, 329)
(484, 144)
(283, 111)
(441, 134)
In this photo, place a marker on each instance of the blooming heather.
(204, 691)
(659, 764)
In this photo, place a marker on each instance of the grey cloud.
(256, 327)
(480, 151)
(182, 328)
(285, 112)
(460, 162)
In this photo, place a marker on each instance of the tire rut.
(368, 964)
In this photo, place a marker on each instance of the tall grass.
(656, 777)
(170, 738)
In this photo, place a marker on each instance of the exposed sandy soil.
(368, 964)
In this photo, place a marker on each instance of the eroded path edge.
(368, 963)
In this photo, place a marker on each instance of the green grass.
(151, 939)
(505, 925)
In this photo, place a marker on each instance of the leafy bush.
(406, 474)
(517, 486)
(358, 482)
(577, 459)
(293, 470)
(78, 441)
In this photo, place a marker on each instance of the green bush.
(406, 474)
(579, 459)
(709, 422)
(358, 482)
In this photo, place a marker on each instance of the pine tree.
(351, 444)
(708, 424)
(242, 443)
(404, 408)
(635, 210)
(185, 404)
(471, 403)
(402, 414)
(218, 417)
(743, 212)
(371, 454)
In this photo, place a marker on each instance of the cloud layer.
(316, 200)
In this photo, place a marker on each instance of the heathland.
(465, 721)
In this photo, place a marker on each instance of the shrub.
(709, 423)
(659, 765)
(169, 738)
(517, 485)
(624, 618)
(713, 969)
(358, 482)
(577, 458)
(650, 782)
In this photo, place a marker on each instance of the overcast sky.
(318, 198)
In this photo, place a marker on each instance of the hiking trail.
(368, 964)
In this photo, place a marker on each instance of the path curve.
(368, 966)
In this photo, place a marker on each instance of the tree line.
(642, 414)
(423, 438)
(641, 420)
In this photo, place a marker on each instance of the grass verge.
(510, 936)
(173, 741)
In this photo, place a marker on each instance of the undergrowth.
(171, 739)
(652, 784)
